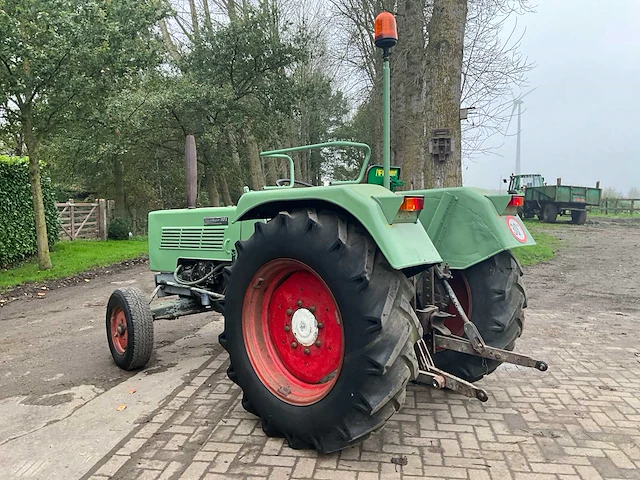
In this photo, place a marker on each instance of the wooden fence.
(618, 205)
(84, 220)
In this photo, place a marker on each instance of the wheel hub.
(118, 330)
(304, 327)
(293, 331)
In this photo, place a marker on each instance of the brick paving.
(579, 420)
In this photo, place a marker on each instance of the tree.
(410, 89)
(56, 56)
(444, 81)
(488, 63)
(611, 192)
(234, 87)
(274, 91)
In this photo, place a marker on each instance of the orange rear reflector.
(412, 204)
(516, 201)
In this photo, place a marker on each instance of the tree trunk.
(233, 146)
(255, 164)
(231, 9)
(31, 142)
(270, 170)
(409, 101)
(224, 191)
(444, 68)
(207, 16)
(195, 27)
(210, 184)
(168, 41)
(118, 180)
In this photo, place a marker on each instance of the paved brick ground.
(580, 420)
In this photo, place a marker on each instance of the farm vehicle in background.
(549, 201)
(336, 297)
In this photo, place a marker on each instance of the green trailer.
(549, 201)
(335, 297)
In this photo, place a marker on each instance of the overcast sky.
(581, 122)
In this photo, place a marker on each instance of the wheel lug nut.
(294, 344)
(299, 303)
(307, 351)
(289, 311)
(318, 343)
(287, 328)
(312, 309)
(320, 325)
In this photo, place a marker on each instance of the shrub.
(118, 229)
(17, 223)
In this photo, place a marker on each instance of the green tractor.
(336, 297)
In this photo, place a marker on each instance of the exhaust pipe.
(191, 171)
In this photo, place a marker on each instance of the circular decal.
(516, 229)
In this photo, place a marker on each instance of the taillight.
(412, 204)
(516, 201)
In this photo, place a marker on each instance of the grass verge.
(544, 250)
(71, 258)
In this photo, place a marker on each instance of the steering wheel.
(286, 181)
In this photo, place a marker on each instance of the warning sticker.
(516, 229)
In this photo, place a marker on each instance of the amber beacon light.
(386, 33)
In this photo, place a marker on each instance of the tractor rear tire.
(321, 268)
(129, 328)
(497, 302)
(579, 217)
(549, 213)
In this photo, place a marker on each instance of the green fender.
(468, 227)
(405, 244)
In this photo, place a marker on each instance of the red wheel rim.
(460, 287)
(293, 331)
(118, 330)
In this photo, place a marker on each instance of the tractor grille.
(192, 238)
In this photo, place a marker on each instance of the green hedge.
(17, 224)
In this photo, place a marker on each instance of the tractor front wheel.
(319, 330)
(129, 328)
(494, 298)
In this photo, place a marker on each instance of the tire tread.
(392, 330)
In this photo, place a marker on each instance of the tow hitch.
(438, 336)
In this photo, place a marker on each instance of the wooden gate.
(83, 220)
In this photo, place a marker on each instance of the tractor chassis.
(192, 300)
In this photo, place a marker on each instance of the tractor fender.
(406, 246)
(468, 227)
